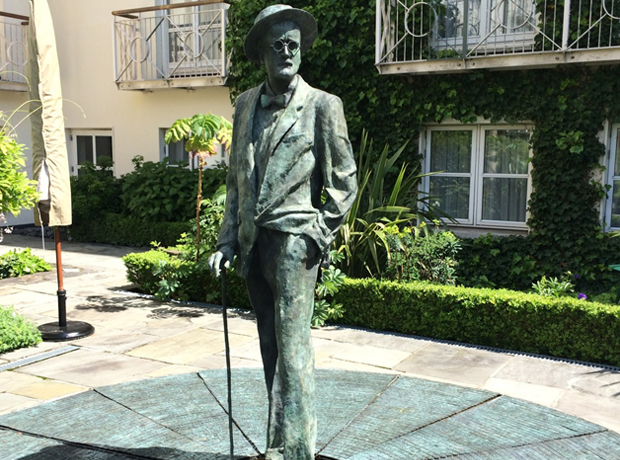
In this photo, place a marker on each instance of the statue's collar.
(282, 99)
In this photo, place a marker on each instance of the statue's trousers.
(281, 283)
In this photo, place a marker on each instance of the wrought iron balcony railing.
(424, 36)
(13, 51)
(172, 46)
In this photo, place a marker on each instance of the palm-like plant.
(362, 238)
(202, 134)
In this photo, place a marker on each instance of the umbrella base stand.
(64, 330)
(54, 332)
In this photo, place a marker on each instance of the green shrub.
(127, 231)
(211, 217)
(16, 190)
(515, 262)
(15, 331)
(165, 276)
(563, 327)
(155, 192)
(94, 193)
(331, 280)
(139, 266)
(498, 261)
(422, 256)
(554, 287)
(16, 263)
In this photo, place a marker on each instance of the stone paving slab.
(597, 409)
(116, 340)
(48, 389)
(563, 375)
(538, 394)
(469, 366)
(361, 417)
(92, 368)
(189, 347)
(374, 356)
(10, 402)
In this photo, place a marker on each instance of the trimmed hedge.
(563, 327)
(147, 270)
(128, 231)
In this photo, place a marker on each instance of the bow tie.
(281, 100)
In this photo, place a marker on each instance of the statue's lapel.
(246, 123)
(291, 114)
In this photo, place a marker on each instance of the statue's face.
(281, 53)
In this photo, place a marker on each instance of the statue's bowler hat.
(272, 15)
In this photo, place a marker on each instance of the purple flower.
(576, 276)
(582, 296)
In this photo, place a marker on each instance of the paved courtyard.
(141, 343)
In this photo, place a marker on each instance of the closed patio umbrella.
(49, 154)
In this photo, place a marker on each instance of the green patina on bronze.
(363, 416)
(290, 185)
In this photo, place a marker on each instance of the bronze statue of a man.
(291, 182)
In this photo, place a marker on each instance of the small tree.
(16, 190)
(202, 134)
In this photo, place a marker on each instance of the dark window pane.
(451, 195)
(451, 151)
(103, 145)
(506, 151)
(617, 165)
(84, 149)
(177, 153)
(615, 204)
(504, 199)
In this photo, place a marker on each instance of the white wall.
(84, 37)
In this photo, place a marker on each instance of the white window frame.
(487, 38)
(614, 156)
(72, 146)
(476, 174)
(210, 162)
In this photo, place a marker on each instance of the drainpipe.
(465, 27)
(565, 30)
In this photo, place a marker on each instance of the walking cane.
(228, 372)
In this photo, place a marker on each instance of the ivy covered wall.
(567, 106)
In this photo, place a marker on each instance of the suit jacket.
(309, 183)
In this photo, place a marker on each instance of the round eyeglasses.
(279, 45)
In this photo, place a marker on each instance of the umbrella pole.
(63, 330)
(61, 293)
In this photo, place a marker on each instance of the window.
(175, 151)
(613, 196)
(490, 23)
(178, 156)
(481, 173)
(90, 146)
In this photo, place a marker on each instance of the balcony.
(436, 36)
(172, 46)
(13, 52)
